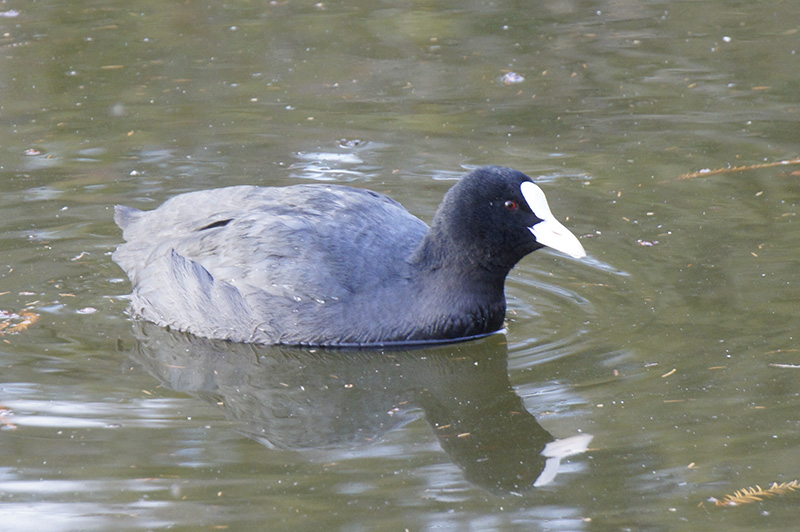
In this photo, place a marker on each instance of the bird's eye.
(510, 205)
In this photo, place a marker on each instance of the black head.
(494, 216)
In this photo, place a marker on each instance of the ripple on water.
(336, 167)
(86, 414)
(553, 305)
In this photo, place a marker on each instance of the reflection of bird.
(305, 399)
(332, 265)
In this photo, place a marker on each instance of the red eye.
(510, 205)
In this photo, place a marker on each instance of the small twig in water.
(757, 494)
(734, 169)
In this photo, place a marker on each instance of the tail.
(123, 216)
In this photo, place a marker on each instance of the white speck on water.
(510, 78)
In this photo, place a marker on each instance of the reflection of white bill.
(558, 449)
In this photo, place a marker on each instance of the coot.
(332, 265)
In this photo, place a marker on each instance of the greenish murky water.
(675, 344)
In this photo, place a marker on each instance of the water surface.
(674, 344)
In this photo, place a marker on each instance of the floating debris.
(510, 78)
(350, 143)
(734, 169)
(13, 323)
(757, 494)
(5, 423)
